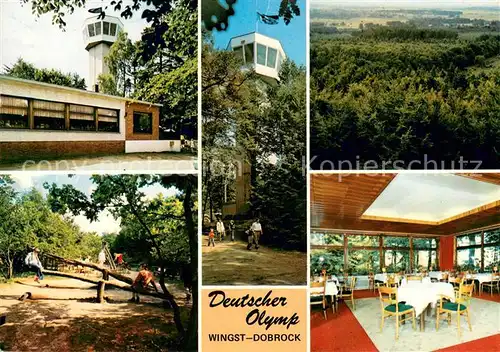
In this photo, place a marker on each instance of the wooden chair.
(317, 297)
(348, 291)
(493, 284)
(444, 277)
(460, 306)
(414, 278)
(456, 282)
(389, 296)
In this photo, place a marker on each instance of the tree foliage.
(26, 70)
(26, 221)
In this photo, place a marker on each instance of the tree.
(211, 9)
(122, 64)
(122, 196)
(26, 70)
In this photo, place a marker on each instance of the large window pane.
(112, 29)
(469, 240)
(81, 118)
(492, 236)
(98, 28)
(49, 115)
(143, 122)
(320, 238)
(332, 261)
(261, 54)
(424, 259)
(363, 262)
(13, 112)
(91, 30)
(105, 28)
(397, 260)
(249, 53)
(271, 57)
(424, 243)
(469, 259)
(491, 257)
(108, 120)
(363, 241)
(397, 242)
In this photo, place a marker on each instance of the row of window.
(371, 253)
(106, 28)
(266, 56)
(479, 250)
(15, 113)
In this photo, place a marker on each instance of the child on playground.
(33, 263)
(141, 282)
(211, 237)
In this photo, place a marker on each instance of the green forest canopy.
(397, 94)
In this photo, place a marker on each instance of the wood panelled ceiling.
(338, 201)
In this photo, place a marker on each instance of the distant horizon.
(402, 4)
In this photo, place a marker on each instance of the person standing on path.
(211, 237)
(221, 231)
(231, 229)
(33, 262)
(256, 232)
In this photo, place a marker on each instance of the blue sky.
(292, 37)
(24, 181)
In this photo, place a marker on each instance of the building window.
(13, 112)
(249, 53)
(49, 115)
(98, 28)
(81, 118)
(143, 122)
(271, 57)
(479, 250)
(261, 54)
(332, 260)
(108, 120)
(105, 28)
(112, 29)
(91, 30)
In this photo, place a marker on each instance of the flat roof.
(74, 90)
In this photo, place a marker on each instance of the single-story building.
(39, 120)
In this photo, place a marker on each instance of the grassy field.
(483, 15)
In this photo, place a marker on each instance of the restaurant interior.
(405, 262)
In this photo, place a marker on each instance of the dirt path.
(68, 321)
(230, 263)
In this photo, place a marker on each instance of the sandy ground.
(68, 320)
(136, 161)
(230, 263)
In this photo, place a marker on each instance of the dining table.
(422, 295)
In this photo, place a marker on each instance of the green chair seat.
(315, 299)
(401, 307)
(453, 306)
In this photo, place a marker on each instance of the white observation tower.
(99, 35)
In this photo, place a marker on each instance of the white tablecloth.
(330, 289)
(424, 280)
(381, 277)
(484, 277)
(420, 294)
